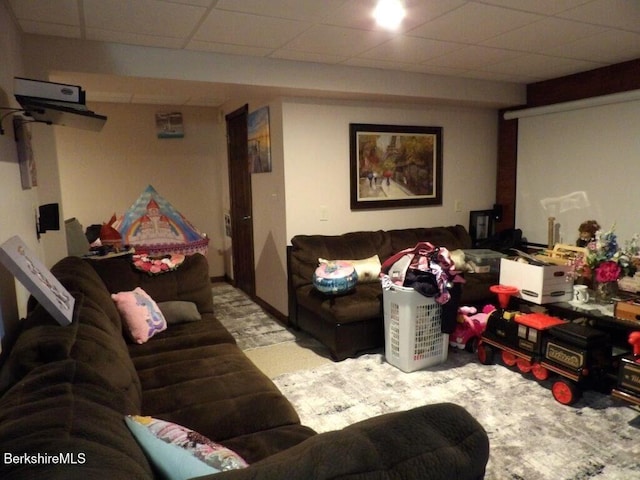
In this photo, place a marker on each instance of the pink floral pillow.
(140, 313)
(179, 452)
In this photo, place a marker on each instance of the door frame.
(240, 197)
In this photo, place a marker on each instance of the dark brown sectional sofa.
(64, 392)
(352, 323)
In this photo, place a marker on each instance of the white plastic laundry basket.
(412, 330)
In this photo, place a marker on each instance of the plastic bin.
(412, 330)
(483, 258)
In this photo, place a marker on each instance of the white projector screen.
(579, 165)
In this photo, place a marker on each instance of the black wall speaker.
(48, 217)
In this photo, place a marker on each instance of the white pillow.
(368, 269)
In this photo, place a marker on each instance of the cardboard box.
(628, 310)
(537, 284)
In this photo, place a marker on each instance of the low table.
(598, 315)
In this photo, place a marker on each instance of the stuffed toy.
(587, 231)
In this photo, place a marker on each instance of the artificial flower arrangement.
(156, 265)
(605, 261)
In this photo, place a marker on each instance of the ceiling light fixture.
(389, 13)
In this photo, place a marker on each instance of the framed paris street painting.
(395, 166)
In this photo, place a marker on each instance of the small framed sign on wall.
(169, 125)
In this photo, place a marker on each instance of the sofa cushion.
(207, 331)
(141, 314)
(94, 338)
(306, 249)
(451, 238)
(177, 311)
(217, 391)
(364, 302)
(190, 282)
(65, 408)
(178, 452)
(437, 442)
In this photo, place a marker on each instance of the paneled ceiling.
(520, 41)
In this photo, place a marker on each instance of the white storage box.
(412, 330)
(484, 259)
(538, 284)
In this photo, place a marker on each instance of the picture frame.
(480, 225)
(169, 125)
(38, 279)
(26, 161)
(395, 166)
(259, 141)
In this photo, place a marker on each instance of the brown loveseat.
(64, 392)
(352, 323)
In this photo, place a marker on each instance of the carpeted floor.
(532, 436)
(274, 348)
(248, 323)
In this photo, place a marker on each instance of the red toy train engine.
(541, 344)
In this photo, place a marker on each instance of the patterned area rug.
(251, 326)
(532, 436)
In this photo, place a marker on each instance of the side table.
(597, 315)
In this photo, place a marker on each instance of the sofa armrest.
(440, 441)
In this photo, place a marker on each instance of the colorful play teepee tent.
(153, 226)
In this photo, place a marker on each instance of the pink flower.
(608, 271)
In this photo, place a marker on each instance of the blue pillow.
(178, 452)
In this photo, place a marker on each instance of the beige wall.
(102, 173)
(310, 150)
(16, 205)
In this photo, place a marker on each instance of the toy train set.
(574, 357)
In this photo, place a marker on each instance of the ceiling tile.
(40, 28)
(474, 23)
(244, 29)
(285, 54)
(133, 38)
(411, 49)
(610, 46)
(64, 12)
(472, 57)
(544, 7)
(327, 39)
(197, 3)
(499, 77)
(540, 66)
(146, 17)
(307, 10)
(359, 13)
(542, 35)
(382, 64)
(228, 49)
(623, 14)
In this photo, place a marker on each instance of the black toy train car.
(541, 344)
